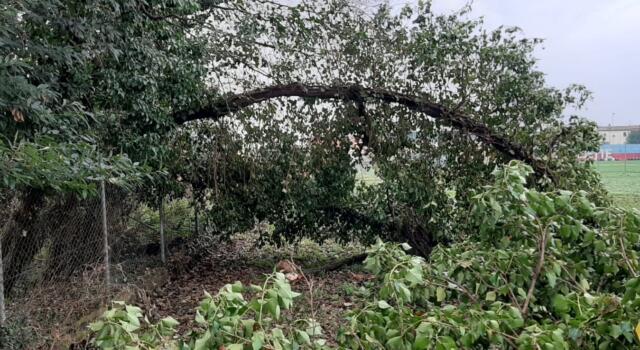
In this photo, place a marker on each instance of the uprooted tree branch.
(225, 105)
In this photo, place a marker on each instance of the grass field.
(622, 180)
(621, 177)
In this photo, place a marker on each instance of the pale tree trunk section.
(105, 233)
(3, 315)
(163, 255)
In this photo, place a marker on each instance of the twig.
(626, 259)
(511, 295)
(309, 283)
(624, 250)
(462, 288)
(536, 273)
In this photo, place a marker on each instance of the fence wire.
(54, 262)
(54, 258)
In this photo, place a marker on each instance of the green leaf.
(199, 318)
(560, 304)
(446, 343)
(395, 343)
(491, 296)
(551, 278)
(383, 304)
(96, 326)
(129, 327)
(202, 343)
(440, 294)
(303, 337)
(169, 322)
(422, 340)
(257, 340)
(615, 331)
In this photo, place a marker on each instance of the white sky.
(591, 42)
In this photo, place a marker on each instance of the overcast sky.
(591, 42)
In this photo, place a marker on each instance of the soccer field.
(621, 177)
(622, 180)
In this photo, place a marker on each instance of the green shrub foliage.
(542, 270)
(98, 90)
(290, 161)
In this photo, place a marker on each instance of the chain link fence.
(64, 258)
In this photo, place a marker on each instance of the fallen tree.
(225, 105)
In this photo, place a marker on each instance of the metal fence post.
(3, 316)
(105, 234)
(626, 156)
(163, 256)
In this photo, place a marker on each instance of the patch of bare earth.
(325, 295)
(60, 312)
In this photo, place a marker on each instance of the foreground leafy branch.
(545, 270)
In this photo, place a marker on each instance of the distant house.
(616, 135)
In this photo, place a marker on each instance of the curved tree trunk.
(223, 106)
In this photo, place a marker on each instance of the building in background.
(616, 135)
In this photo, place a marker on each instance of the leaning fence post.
(163, 257)
(105, 235)
(3, 316)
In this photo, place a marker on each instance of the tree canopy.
(633, 137)
(262, 114)
(263, 108)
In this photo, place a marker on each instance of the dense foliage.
(291, 162)
(633, 137)
(545, 270)
(107, 87)
(88, 89)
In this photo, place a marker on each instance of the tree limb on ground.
(337, 265)
(223, 106)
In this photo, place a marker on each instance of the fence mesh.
(54, 259)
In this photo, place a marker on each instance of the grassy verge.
(622, 180)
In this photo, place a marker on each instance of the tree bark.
(223, 106)
(21, 239)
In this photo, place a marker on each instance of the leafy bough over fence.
(546, 270)
(225, 105)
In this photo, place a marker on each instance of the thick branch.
(536, 273)
(233, 103)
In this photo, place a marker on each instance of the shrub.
(225, 321)
(545, 270)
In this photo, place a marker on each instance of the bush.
(545, 270)
(16, 334)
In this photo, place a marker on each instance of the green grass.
(626, 200)
(622, 180)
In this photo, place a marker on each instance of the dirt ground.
(324, 294)
(59, 314)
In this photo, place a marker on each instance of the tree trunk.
(21, 239)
